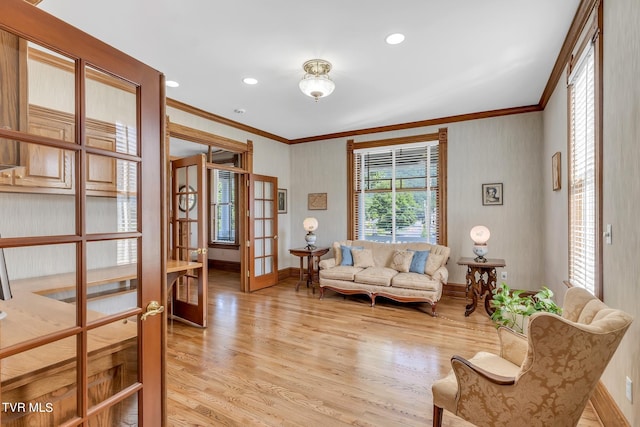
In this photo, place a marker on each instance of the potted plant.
(512, 308)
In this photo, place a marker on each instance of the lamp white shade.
(310, 224)
(480, 234)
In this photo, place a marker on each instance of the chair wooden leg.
(437, 416)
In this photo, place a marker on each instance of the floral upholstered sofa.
(404, 272)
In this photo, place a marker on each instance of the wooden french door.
(263, 231)
(81, 223)
(189, 237)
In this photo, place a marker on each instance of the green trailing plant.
(512, 307)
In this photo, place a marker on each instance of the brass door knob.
(153, 308)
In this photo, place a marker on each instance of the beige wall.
(504, 149)
(621, 178)
(621, 189)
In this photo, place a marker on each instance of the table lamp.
(310, 225)
(480, 235)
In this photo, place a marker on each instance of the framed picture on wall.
(492, 194)
(317, 201)
(282, 201)
(556, 171)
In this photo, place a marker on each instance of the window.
(584, 171)
(396, 190)
(222, 209)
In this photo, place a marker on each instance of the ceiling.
(459, 56)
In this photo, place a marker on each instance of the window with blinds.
(222, 210)
(396, 193)
(583, 174)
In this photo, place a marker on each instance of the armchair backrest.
(567, 355)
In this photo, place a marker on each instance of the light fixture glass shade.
(317, 86)
(310, 224)
(480, 234)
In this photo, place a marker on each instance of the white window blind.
(582, 174)
(126, 200)
(223, 205)
(396, 193)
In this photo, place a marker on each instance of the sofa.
(403, 272)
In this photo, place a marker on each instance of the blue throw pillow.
(347, 258)
(418, 261)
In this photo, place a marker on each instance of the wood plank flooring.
(278, 357)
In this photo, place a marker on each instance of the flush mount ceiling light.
(316, 82)
(172, 83)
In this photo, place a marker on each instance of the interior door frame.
(31, 23)
(245, 150)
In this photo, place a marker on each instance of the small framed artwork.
(556, 171)
(317, 201)
(492, 194)
(282, 201)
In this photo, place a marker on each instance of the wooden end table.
(481, 281)
(313, 255)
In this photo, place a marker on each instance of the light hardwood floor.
(278, 357)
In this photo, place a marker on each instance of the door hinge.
(248, 243)
(248, 274)
(248, 214)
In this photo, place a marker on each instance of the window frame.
(592, 37)
(352, 147)
(212, 218)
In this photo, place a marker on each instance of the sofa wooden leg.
(433, 310)
(321, 292)
(373, 300)
(437, 416)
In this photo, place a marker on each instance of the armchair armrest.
(513, 345)
(327, 263)
(441, 274)
(458, 362)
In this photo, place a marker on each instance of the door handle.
(275, 237)
(153, 308)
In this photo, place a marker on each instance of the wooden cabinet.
(102, 177)
(43, 169)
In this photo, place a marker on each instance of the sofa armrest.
(327, 263)
(441, 274)
(513, 345)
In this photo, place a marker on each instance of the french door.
(189, 237)
(81, 227)
(263, 231)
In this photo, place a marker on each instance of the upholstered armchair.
(543, 379)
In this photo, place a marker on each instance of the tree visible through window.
(397, 192)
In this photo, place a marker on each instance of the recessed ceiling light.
(395, 38)
(172, 83)
(250, 81)
(239, 111)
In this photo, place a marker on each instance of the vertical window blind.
(582, 173)
(396, 193)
